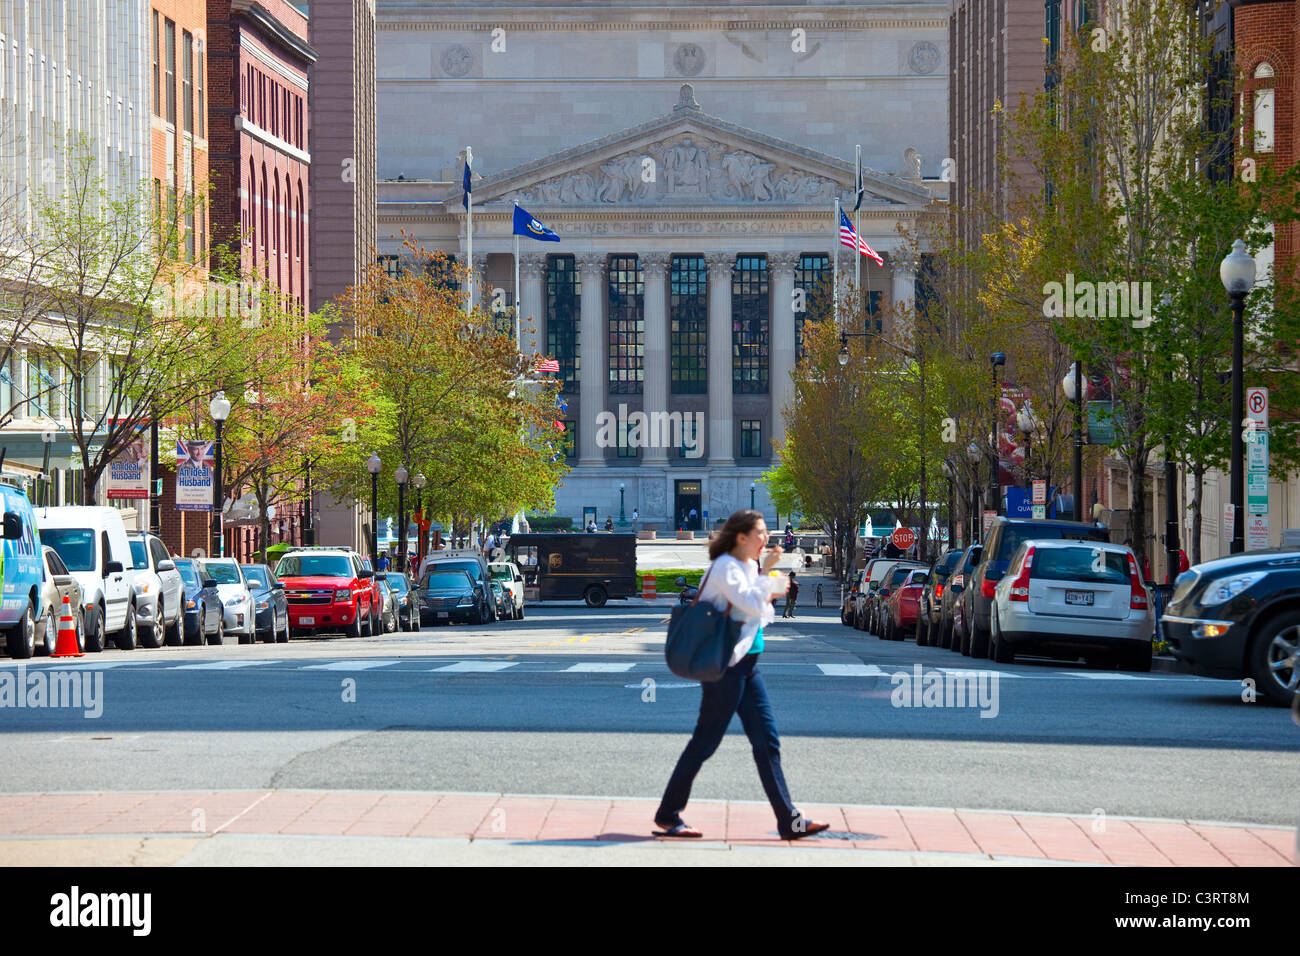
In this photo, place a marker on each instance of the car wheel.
(999, 650)
(172, 635)
(152, 636)
(81, 631)
(478, 616)
(201, 635)
(979, 640)
(521, 613)
(1139, 659)
(95, 629)
(126, 638)
(50, 639)
(596, 596)
(356, 628)
(1274, 658)
(220, 636)
(965, 640)
(922, 633)
(20, 640)
(283, 636)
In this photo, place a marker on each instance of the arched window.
(1264, 108)
(250, 206)
(275, 229)
(265, 225)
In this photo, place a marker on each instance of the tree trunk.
(1196, 505)
(1137, 476)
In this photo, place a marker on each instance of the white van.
(92, 543)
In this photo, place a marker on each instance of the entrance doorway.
(686, 506)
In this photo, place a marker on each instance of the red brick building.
(259, 127)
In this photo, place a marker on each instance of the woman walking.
(734, 578)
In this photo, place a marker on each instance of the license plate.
(1079, 597)
(444, 614)
(306, 620)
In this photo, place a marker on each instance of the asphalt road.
(578, 701)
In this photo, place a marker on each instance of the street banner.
(1256, 532)
(128, 473)
(194, 475)
(1229, 516)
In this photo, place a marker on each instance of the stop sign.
(904, 538)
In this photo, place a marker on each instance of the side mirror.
(62, 580)
(209, 583)
(166, 566)
(113, 567)
(277, 586)
(363, 574)
(13, 525)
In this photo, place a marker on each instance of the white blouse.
(749, 593)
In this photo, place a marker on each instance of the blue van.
(20, 569)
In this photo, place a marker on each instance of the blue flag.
(464, 199)
(526, 225)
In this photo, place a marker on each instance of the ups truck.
(571, 567)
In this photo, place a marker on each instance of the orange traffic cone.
(67, 642)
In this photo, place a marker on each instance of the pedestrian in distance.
(609, 522)
(636, 520)
(791, 596)
(591, 526)
(736, 579)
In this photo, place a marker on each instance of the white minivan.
(93, 545)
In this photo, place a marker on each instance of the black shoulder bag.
(701, 639)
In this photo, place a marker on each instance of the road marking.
(850, 670)
(598, 668)
(472, 666)
(348, 665)
(976, 670)
(219, 665)
(48, 662)
(1105, 676)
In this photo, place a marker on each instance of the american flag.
(851, 239)
(549, 365)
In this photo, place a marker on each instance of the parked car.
(270, 606)
(952, 633)
(159, 591)
(236, 599)
(512, 579)
(203, 611)
(848, 601)
(472, 562)
(1239, 617)
(1004, 536)
(497, 610)
(900, 608)
(1075, 597)
(929, 619)
(376, 598)
(93, 545)
(23, 604)
(408, 607)
(387, 603)
(895, 574)
(57, 583)
(328, 590)
(875, 573)
(451, 595)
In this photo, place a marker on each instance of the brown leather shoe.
(809, 828)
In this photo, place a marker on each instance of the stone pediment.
(688, 158)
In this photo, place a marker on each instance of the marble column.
(904, 282)
(593, 377)
(654, 271)
(721, 425)
(478, 280)
(532, 303)
(781, 266)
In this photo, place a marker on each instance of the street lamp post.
(996, 360)
(976, 455)
(402, 475)
(751, 496)
(373, 464)
(622, 519)
(952, 528)
(419, 482)
(1238, 274)
(219, 409)
(1076, 391)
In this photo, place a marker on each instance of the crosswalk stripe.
(596, 667)
(1103, 675)
(851, 670)
(348, 665)
(472, 666)
(974, 670)
(219, 665)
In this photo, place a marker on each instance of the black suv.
(1004, 536)
(929, 615)
(1240, 617)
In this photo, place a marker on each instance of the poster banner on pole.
(128, 473)
(194, 475)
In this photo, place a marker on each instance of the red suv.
(328, 590)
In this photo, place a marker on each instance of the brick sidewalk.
(575, 820)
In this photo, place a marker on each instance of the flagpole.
(469, 231)
(519, 345)
(837, 258)
(857, 218)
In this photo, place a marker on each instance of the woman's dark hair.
(742, 522)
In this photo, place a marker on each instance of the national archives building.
(689, 156)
